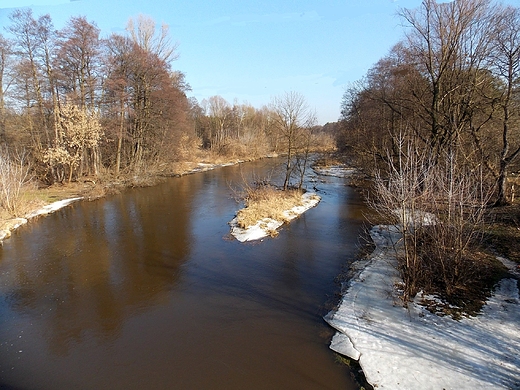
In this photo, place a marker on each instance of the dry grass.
(33, 197)
(265, 201)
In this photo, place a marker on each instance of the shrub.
(14, 173)
(438, 205)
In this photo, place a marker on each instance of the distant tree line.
(78, 104)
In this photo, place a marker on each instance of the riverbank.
(40, 202)
(400, 347)
(9, 225)
(409, 347)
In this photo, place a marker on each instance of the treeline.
(452, 84)
(437, 124)
(78, 104)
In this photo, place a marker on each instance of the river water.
(147, 290)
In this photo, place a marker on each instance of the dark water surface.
(147, 290)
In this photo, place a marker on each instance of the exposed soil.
(502, 235)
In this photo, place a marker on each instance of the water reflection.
(88, 267)
(145, 289)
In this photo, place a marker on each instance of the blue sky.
(250, 50)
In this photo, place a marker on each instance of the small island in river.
(266, 224)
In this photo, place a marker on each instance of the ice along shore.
(411, 348)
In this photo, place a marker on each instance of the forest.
(452, 85)
(436, 125)
(75, 105)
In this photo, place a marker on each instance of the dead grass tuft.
(266, 201)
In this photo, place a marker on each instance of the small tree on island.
(293, 120)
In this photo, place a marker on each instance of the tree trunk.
(120, 138)
(288, 166)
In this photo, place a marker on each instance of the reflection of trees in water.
(101, 262)
(78, 275)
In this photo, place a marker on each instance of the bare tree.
(14, 173)
(505, 62)
(47, 37)
(144, 33)
(449, 43)
(117, 91)
(376, 109)
(438, 206)
(5, 54)
(147, 97)
(219, 114)
(28, 45)
(249, 130)
(78, 61)
(292, 118)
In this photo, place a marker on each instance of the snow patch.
(335, 170)
(17, 222)
(513, 267)
(411, 348)
(415, 217)
(52, 207)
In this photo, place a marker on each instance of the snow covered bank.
(50, 208)
(401, 348)
(263, 228)
(9, 226)
(204, 167)
(334, 170)
(17, 222)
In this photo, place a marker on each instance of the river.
(148, 290)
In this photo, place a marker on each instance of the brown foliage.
(450, 83)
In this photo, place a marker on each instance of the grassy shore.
(34, 197)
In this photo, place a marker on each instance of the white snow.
(334, 170)
(411, 348)
(263, 228)
(50, 208)
(415, 217)
(203, 167)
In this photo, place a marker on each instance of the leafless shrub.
(457, 196)
(438, 205)
(398, 198)
(14, 173)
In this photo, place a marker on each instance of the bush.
(14, 173)
(438, 205)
